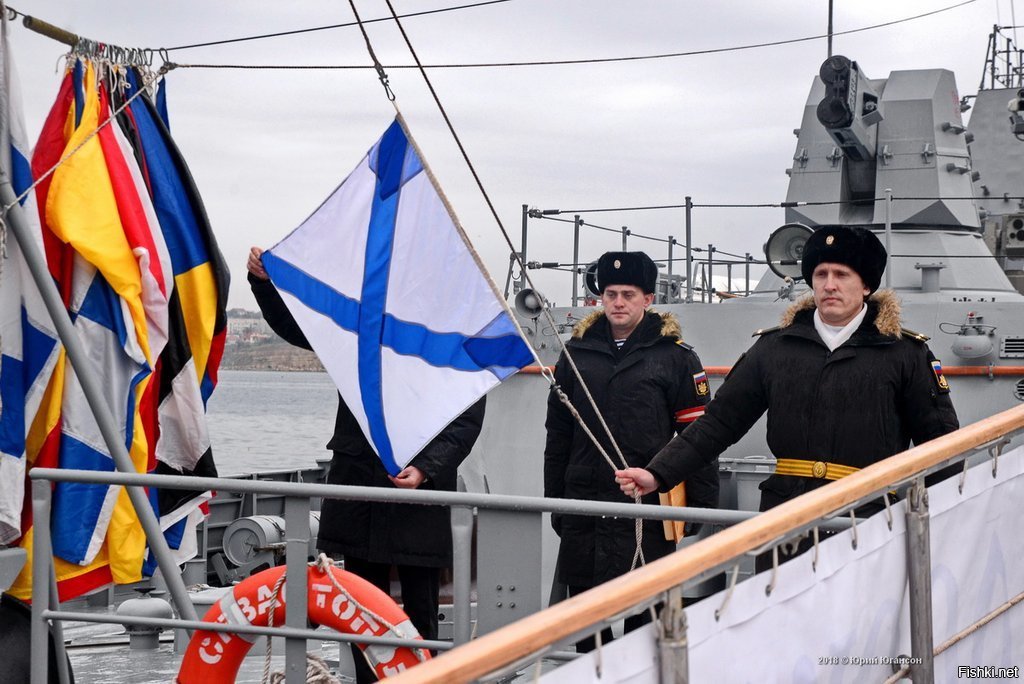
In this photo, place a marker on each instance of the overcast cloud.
(267, 146)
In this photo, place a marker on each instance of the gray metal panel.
(916, 105)
(970, 267)
(1000, 173)
(813, 176)
(508, 567)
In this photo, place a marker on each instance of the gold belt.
(817, 469)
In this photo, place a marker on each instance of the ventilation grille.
(1011, 348)
(1019, 390)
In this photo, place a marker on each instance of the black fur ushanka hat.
(851, 246)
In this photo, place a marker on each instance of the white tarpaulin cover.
(848, 620)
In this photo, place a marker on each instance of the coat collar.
(883, 314)
(653, 327)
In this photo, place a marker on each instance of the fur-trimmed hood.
(669, 324)
(887, 318)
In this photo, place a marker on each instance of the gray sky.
(267, 146)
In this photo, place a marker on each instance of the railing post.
(671, 242)
(689, 251)
(672, 645)
(668, 290)
(57, 629)
(296, 525)
(577, 222)
(462, 568)
(746, 258)
(462, 558)
(888, 238)
(41, 559)
(522, 254)
(711, 267)
(922, 668)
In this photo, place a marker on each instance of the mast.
(829, 29)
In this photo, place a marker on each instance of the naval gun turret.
(894, 153)
(860, 137)
(849, 110)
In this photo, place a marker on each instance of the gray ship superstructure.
(891, 154)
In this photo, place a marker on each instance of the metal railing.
(526, 511)
(529, 639)
(539, 633)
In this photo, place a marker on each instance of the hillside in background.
(252, 345)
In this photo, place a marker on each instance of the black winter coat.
(854, 406)
(393, 533)
(647, 391)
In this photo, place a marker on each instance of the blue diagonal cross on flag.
(394, 303)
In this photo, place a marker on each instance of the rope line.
(274, 594)
(638, 554)
(381, 75)
(323, 563)
(774, 205)
(330, 27)
(494, 213)
(562, 62)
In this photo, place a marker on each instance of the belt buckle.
(819, 469)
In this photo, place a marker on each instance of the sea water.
(270, 420)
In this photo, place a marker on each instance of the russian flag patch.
(700, 383)
(939, 377)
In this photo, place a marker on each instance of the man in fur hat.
(843, 383)
(648, 385)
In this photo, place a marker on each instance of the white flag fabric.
(28, 340)
(394, 303)
(847, 619)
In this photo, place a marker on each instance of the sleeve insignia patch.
(700, 382)
(939, 377)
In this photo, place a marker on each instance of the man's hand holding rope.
(636, 481)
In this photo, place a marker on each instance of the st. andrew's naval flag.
(394, 303)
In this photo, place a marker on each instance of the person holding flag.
(648, 384)
(375, 536)
(411, 363)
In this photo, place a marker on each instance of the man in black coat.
(374, 536)
(648, 384)
(845, 386)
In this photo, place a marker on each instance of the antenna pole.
(829, 29)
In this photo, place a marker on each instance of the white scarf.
(834, 336)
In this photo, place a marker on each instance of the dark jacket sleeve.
(925, 405)
(688, 400)
(738, 404)
(276, 313)
(559, 426)
(442, 456)
(693, 394)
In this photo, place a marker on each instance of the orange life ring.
(216, 656)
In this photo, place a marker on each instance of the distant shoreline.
(269, 355)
